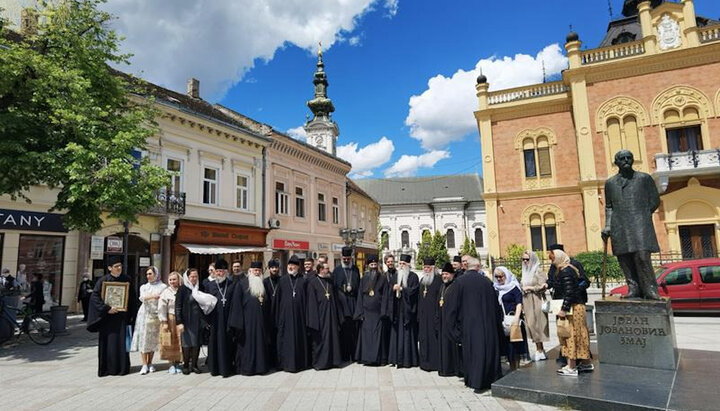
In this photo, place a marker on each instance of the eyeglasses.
(526, 259)
(499, 277)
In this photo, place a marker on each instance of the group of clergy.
(449, 322)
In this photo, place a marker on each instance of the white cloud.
(392, 7)
(367, 158)
(444, 112)
(298, 133)
(218, 41)
(407, 165)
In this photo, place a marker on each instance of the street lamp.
(351, 235)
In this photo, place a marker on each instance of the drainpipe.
(264, 200)
(432, 210)
(465, 221)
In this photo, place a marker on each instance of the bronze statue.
(630, 200)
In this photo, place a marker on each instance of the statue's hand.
(605, 233)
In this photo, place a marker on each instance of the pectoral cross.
(260, 298)
(371, 293)
(425, 292)
(327, 295)
(223, 301)
(293, 293)
(442, 301)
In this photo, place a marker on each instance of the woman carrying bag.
(169, 336)
(534, 284)
(514, 345)
(574, 334)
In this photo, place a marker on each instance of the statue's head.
(624, 159)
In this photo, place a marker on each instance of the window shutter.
(544, 161)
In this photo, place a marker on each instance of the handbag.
(516, 333)
(564, 329)
(556, 307)
(508, 320)
(165, 338)
(546, 306)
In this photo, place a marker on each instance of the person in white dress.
(147, 324)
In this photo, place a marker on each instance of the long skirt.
(170, 342)
(578, 344)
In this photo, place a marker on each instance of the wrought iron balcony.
(169, 202)
(688, 163)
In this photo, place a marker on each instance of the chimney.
(28, 22)
(193, 88)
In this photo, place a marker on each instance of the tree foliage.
(67, 119)
(513, 259)
(434, 246)
(592, 262)
(424, 250)
(468, 247)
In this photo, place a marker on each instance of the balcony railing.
(169, 202)
(690, 160)
(523, 93)
(709, 34)
(617, 51)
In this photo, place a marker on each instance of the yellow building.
(651, 87)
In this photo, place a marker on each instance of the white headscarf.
(205, 301)
(529, 269)
(157, 279)
(510, 283)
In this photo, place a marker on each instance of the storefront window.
(42, 254)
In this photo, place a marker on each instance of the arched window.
(405, 239)
(682, 112)
(543, 231)
(622, 133)
(479, 238)
(682, 130)
(621, 121)
(536, 148)
(450, 237)
(385, 240)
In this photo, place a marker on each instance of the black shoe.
(186, 370)
(196, 370)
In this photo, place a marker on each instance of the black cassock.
(113, 358)
(404, 326)
(221, 347)
(342, 278)
(324, 317)
(289, 314)
(249, 323)
(477, 327)
(450, 350)
(271, 286)
(428, 324)
(371, 308)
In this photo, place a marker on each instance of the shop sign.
(29, 220)
(144, 262)
(114, 244)
(337, 247)
(281, 244)
(96, 247)
(323, 246)
(219, 234)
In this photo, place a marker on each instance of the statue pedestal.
(637, 333)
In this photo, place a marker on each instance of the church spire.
(321, 130)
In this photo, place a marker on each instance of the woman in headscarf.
(191, 306)
(510, 298)
(577, 346)
(170, 348)
(147, 325)
(534, 284)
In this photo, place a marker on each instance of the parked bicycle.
(35, 325)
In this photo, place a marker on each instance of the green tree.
(424, 250)
(67, 119)
(592, 263)
(513, 259)
(468, 247)
(438, 249)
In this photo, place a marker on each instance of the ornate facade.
(651, 87)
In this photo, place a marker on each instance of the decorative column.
(691, 33)
(167, 228)
(649, 38)
(490, 195)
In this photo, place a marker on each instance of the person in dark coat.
(110, 323)
(289, 313)
(190, 306)
(457, 267)
(390, 271)
(428, 330)
(404, 286)
(477, 316)
(308, 268)
(37, 298)
(450, 350)
(371, 308)
(271, 286)
(346, 278)
(324, 317)
(249, 324)
(221, 348)
(510, 297)
(85, 290)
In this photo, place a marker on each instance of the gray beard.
(402, 276)
(427, 279)
(255, 286)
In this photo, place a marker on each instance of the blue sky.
(258, 57)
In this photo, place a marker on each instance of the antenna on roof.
(610, 10)
(543, 69)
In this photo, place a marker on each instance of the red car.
(692, 285)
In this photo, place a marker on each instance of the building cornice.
(304, 153)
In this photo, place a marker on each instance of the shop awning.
(222, 249)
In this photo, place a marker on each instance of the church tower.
(322, 132)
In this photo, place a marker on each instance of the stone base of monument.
(692, 386)
(639, 333)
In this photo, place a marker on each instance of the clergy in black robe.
(221, 347)
(111, 324)
(324, 316)
(386, 321)
(308, 269)
(457, 267)
(190, 319)
(249, 324)
(370, 309)
(450, 350)
(428, 324)
(477, 317)
(289, 313)
(271, 286)
(346, 278)
(404, 286)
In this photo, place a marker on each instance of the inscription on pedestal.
(636, 333)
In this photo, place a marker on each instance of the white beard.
(402, 276)
(292, 273)
(427, 279)
(256, 287)
(345, 266)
